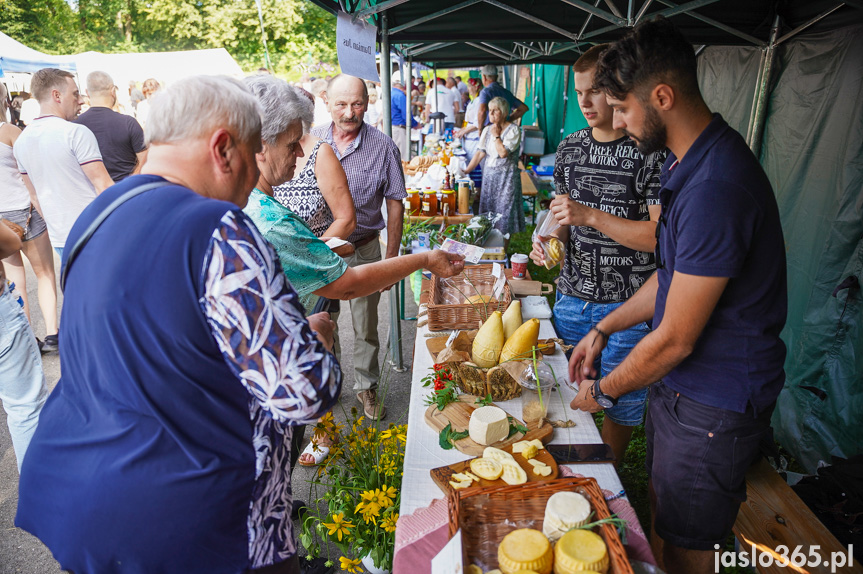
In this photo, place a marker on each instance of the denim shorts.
(573, 318)
(697, 458)
(34, 228)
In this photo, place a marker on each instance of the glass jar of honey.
(429, 203)
(447, 202)
(413, 203)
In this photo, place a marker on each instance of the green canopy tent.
(788, 74)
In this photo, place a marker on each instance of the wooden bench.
(774, 515)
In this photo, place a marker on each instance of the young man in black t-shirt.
(607, 205)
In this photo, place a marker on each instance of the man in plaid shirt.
(372, 163)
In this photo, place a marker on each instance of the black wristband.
(600, 331)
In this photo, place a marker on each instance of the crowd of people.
(169, 442)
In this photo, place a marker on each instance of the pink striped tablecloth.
(421, 535)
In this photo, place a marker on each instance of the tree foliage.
(299, 33)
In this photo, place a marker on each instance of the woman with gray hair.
(318, 191)
(501, 180)
(313, 269)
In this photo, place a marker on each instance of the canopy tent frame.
(433, 38)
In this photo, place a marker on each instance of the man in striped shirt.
(372, 163)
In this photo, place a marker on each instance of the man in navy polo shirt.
(718, 301)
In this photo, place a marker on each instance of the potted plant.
(361, 483)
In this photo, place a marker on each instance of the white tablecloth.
(423, 452)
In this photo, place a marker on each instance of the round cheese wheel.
(525, 549)
(579, 550)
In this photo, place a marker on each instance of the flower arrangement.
(362, 480)
(445, 388)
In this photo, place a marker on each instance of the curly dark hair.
(651, 53)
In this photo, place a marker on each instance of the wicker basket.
(486, 515)
(464, 316)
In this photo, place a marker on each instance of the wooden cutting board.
(458, 415)
(442, 475)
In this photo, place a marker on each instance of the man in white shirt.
(441, 98)
(58, 160)
(452, 85)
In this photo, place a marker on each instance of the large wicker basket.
(486, 515)
(443, 316)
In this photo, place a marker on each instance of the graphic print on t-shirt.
(615, 178)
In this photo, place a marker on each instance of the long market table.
(423, 453)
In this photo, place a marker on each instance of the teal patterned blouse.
(308, 263)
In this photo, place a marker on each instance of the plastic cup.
(519, 266)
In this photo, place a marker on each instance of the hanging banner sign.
(356, 48)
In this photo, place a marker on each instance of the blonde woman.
(22, 208)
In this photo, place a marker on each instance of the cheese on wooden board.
(486, 468)
(488, 425)
(497, 454)
(513, 473)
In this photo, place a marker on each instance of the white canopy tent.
(167, 67)
(16, 57)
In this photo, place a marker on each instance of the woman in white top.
(150, 87)
(501, 179)
(470, 132)
(22, 208)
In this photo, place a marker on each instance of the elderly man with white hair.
(187, 362)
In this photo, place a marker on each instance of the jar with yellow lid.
(447, 202)
(413, 202)
(429, 203)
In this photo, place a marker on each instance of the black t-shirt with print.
(615, 178)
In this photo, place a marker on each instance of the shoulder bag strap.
(94, 225)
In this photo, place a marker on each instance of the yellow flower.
(350, 565)
(388, 433)
(389, 522)
(369, 510)
(391, 492)
(339, 525)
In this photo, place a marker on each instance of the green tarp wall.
(545, 102)
(813, 155)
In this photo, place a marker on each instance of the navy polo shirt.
(720, 219)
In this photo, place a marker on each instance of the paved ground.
(24, 554)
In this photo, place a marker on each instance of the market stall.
(428, 464)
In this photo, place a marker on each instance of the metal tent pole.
(565, 101)
(386, 88)
(409, 120)
(763, 92)
(434, 75)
